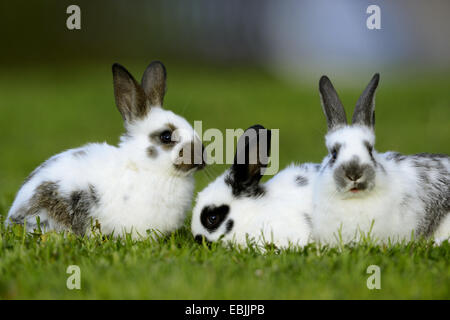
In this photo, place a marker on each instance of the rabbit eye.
(334, 154)
(166, 137)
(334, 151)
(212, 219)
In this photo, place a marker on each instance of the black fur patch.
(81, 202)
(406, 201)
(434, 156)
(245, 173)
(71, 212)
(334, 152)
(395, 156)
(199, 239)
(212, 217)
(249, 189)
(369, 148)
(229, 226)
(301, 181)
(308, 220)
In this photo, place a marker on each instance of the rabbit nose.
(190, 157)
(354, 176)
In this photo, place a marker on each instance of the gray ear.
(154, 83)
(130, 98)
(364, 113)
(331, 105)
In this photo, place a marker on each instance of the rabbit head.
(350, 167)
(155, 136)
(219, 208)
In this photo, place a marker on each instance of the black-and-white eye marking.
(370, 150)
(334, 151)
(212, 217)
(229, 226)
(166, 137)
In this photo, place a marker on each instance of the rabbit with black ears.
(145, 183)
(237, 208)
(361, 192)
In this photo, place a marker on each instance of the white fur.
(277, 217)
(337, 213)
(136, 192)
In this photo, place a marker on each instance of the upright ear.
(251, 158)
(130, 97)
(364, 113)
(331, 105)
(154, 83)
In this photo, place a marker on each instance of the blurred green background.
(230, 64)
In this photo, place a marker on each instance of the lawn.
(45, 109)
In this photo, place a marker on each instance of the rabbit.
(237, 208)
(359, 192)
(144, 183)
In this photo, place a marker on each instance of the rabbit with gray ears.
(145, 183)
(359, 191)
(237, 208)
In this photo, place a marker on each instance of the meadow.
(45, 109)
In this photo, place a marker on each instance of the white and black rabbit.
(145, 183)
(360, 191)
(237, 208)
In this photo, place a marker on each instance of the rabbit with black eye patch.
(360, 192)
(145, 183)
(237, 208)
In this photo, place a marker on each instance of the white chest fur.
(138, 201)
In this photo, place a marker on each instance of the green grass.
(44, 110)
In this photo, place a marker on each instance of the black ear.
(331, 105)
(364, 113)
(154, 83)
(130, 97)
(251, 158)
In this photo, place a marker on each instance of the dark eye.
(334, 154)
(212, 219)
(166, 137)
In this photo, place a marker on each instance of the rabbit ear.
(364, 113)
(251, 158)
(154, 83)
(130, 97)
(331, 105)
